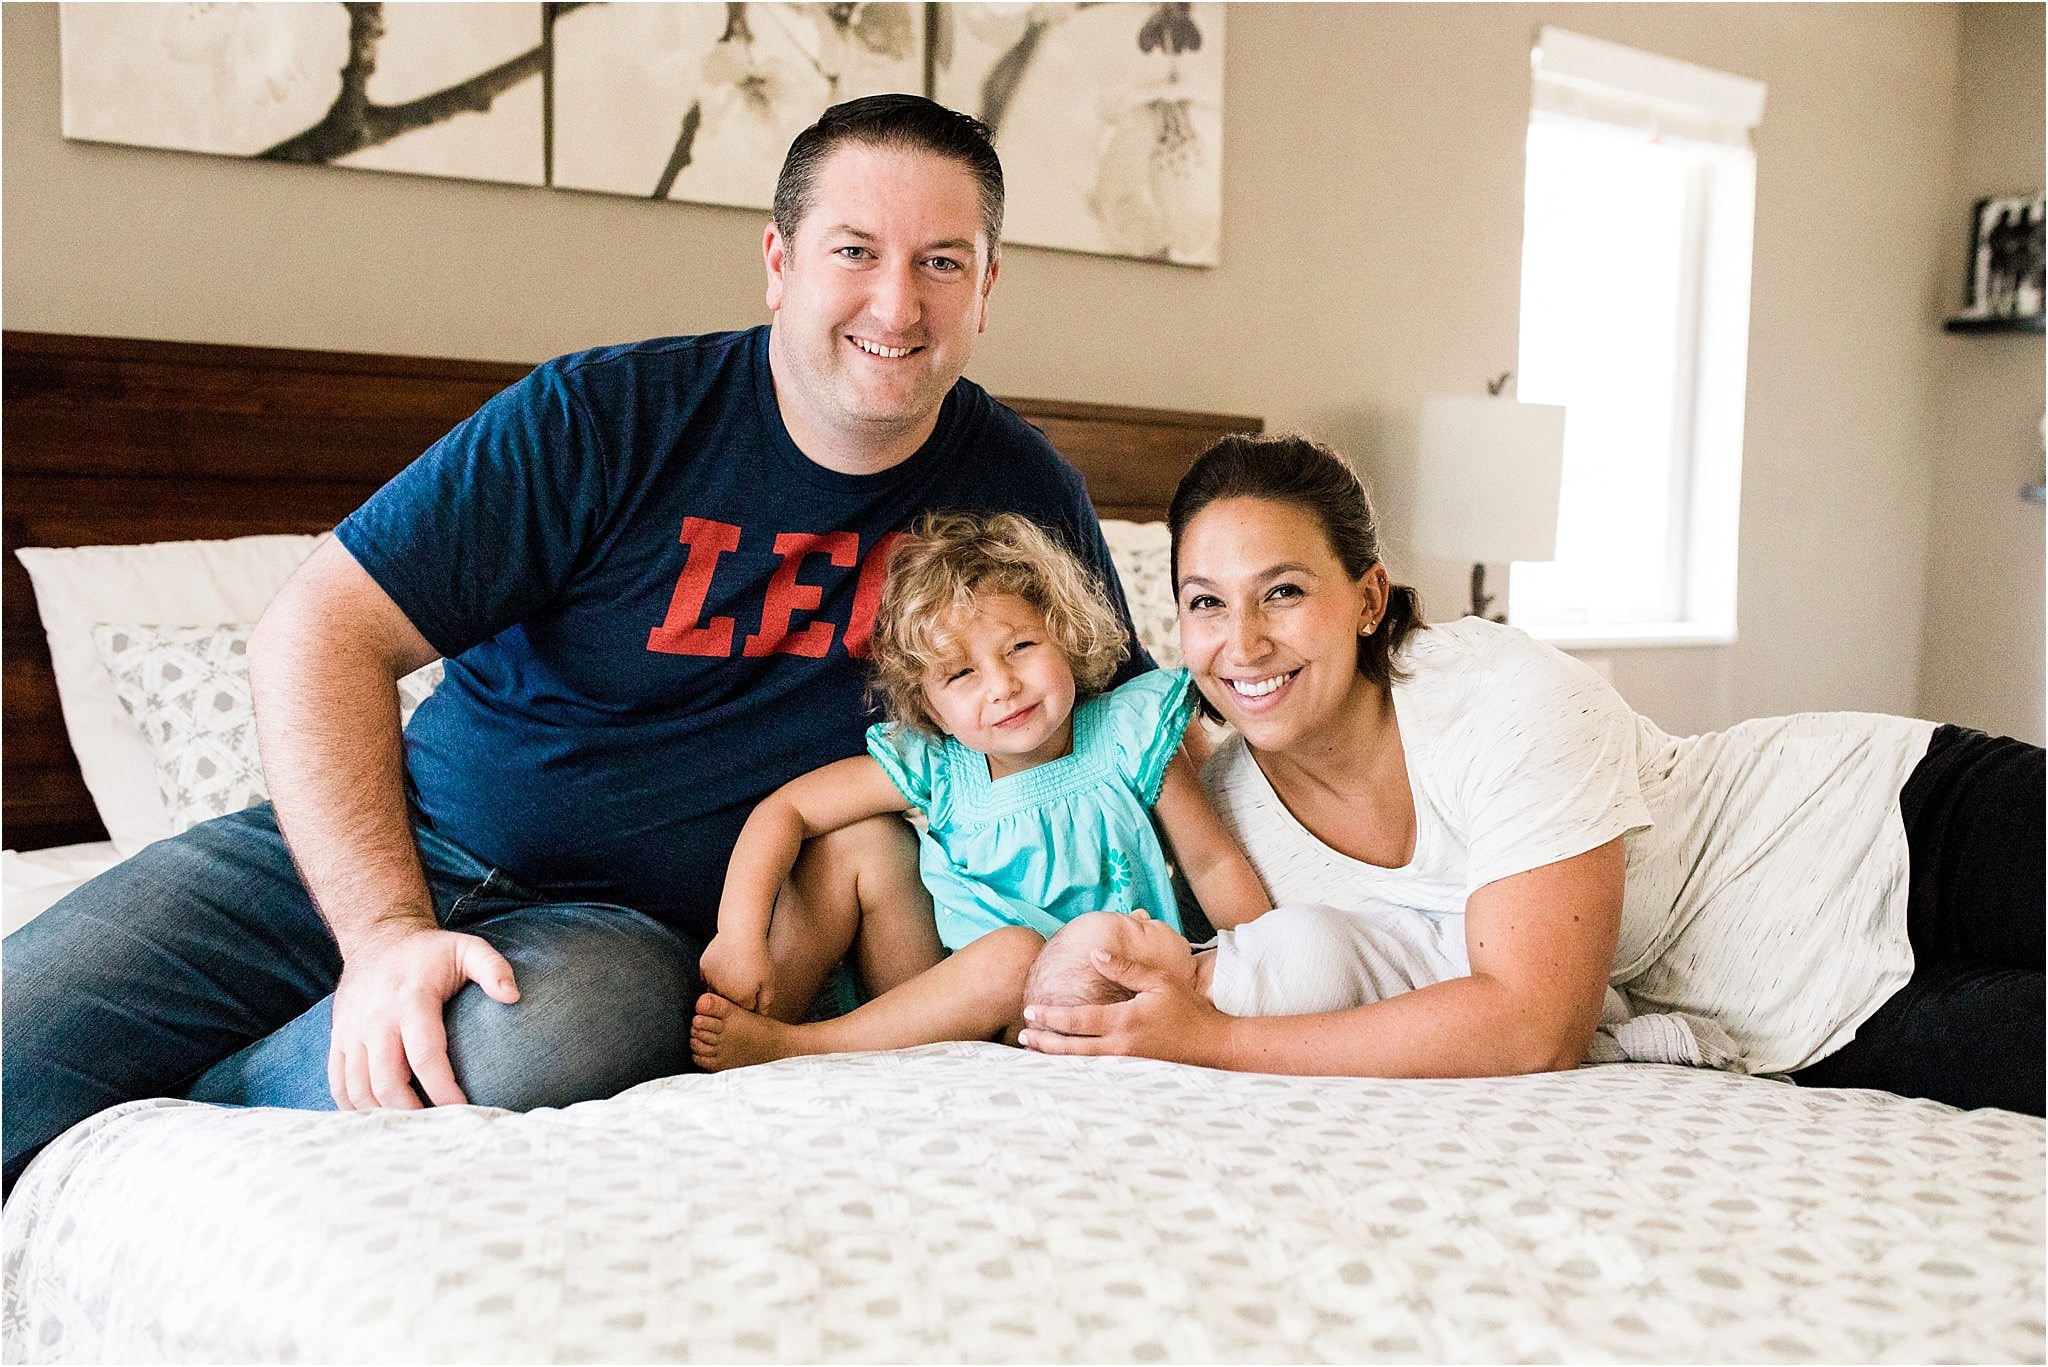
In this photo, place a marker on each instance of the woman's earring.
(1368, 628)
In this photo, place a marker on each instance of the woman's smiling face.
(1270, 621)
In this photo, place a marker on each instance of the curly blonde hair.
(950, 561)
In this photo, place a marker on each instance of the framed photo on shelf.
(2006, 259)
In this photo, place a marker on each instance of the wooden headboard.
(114, 442)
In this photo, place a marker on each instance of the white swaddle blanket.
(1299, 959)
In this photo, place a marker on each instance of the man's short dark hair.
(909, 122)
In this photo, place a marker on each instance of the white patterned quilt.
(972, 1203)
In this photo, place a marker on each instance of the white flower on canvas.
(255, 55)
(1000, 26)
(752, 83)
(776, 67)
(752, 90)
(850, 36)
(772, 73)
(1155, 179)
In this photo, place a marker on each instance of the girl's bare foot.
(723, 1035)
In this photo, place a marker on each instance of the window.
(1639, 201)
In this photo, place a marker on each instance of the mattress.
(967, 1202)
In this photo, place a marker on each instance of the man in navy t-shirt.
(653, 572)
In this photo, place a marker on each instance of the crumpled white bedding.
(30, 880)
(972, 1203)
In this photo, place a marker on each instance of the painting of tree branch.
(426, 89)
(700, 101)
(1108, 115)
(1109, 118)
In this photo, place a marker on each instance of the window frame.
(1697, 597)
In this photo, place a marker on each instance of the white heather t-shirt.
(1766, 885)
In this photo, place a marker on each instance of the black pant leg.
(1967, 1028)
(1958, 1033)
(1975, 817)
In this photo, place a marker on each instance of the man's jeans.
(200, 968)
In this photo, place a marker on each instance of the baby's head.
(957, 570)
(1064, 974)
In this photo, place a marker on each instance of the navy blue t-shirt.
(655, 610)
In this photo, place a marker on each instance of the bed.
(954, 1203)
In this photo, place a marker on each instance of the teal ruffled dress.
(1071, 836)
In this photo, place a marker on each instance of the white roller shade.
(1590, 80)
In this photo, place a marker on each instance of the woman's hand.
(1167, 1019)
(739, 969)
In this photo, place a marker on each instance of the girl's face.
(1006, 687)
(1270, 621)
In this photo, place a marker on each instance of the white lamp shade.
(1487, 485)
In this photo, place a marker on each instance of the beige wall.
(1372, 233)
(1984, 645)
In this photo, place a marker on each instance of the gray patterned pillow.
(1142, 552)
(188, 690)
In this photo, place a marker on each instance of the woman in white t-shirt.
(1856, 898)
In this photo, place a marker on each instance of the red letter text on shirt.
(786, 596)
(680, 634)
(867, 596)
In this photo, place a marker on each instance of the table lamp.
(1487, 486)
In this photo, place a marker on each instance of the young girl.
(1037, 810)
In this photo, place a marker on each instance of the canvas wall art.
(700, 101)
(2006, 270)
(1109, 119)
(430, 89)
(1108, 116)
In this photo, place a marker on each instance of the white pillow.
(169, 583)
(188, 690)
(1143, 553)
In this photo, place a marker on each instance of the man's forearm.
(327, 719)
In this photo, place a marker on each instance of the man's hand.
(739, 969)
(1167, 1019)
(387, 1015)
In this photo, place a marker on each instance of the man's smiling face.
(878, 296)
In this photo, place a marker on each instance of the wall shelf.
(2033, 324)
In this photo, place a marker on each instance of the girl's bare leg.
(897, 938)
(854, 890)
(974, 994)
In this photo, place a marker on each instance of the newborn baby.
(1297, 960)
